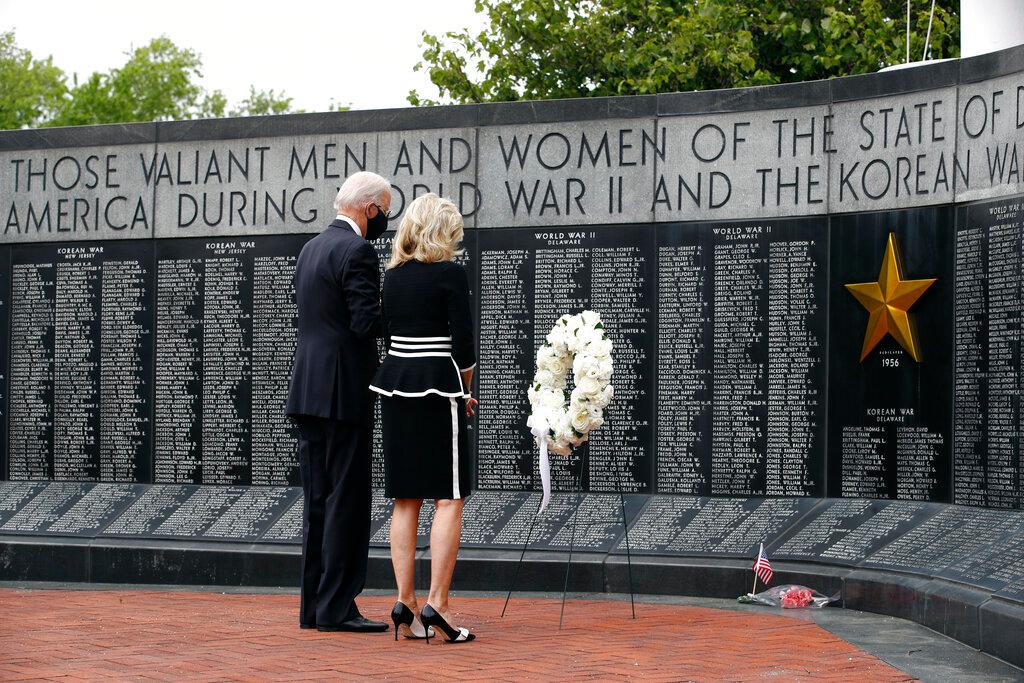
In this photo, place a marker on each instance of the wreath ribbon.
(539, 428)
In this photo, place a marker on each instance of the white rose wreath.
(578, 342)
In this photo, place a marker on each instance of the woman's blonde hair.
(430, 231)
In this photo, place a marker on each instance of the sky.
(359, 53)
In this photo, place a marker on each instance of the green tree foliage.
(159, 82)
(263, 102)
(30, 89)
(538, 49)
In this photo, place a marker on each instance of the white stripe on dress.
(419, 347)
(420, 339)
(417, 394)
(455, 450)
(420, 354)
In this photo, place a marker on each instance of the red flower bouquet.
(788, 597)
(796, 597)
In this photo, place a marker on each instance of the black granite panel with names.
(995, 566)
(45, 508)
(99, 506)
(246, 511)
(724, 527)
(252, 513)
(527, 279)
(486, 513)
(587, 522)
(81, 361)
(5, 337)
(216, 513)
(1014, 590)
(742, 315)
(225, 336)
(845, 531)
(142, 518)
(988, 450)
(954, 534)
(73, 509)
(288, 527)
(661, 521)
(15, 494)
(272, 456)
(890, 417)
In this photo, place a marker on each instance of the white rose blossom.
(604, 398)
(591, 335)
(585, 366)
(588, 386)
(545, 356)
(559, 366)
(581, 420)
(601, 348)
(544, 378)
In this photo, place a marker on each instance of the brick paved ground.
(72, 635)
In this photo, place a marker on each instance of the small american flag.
(762, 567)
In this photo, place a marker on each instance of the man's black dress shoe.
(307, 625)
(358, 625)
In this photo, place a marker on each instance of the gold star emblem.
(888, 301)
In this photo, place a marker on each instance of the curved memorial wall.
(815, 293)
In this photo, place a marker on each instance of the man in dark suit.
(337, 289)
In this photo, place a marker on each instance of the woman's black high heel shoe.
(401, 615)
(430, 617)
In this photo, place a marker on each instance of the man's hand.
(471, 404)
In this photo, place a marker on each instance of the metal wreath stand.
(578, 492)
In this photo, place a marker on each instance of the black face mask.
(376, 226)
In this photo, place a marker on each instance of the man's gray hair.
(360, 189)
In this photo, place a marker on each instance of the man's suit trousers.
(334, 463)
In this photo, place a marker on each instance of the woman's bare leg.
(445, 533)
(404, 522)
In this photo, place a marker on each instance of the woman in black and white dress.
(424, 384)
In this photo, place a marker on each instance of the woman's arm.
(460, 324)
(460, 319)
(467, 381)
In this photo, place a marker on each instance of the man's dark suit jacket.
(337, 289)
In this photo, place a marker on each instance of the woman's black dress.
(429, 331)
